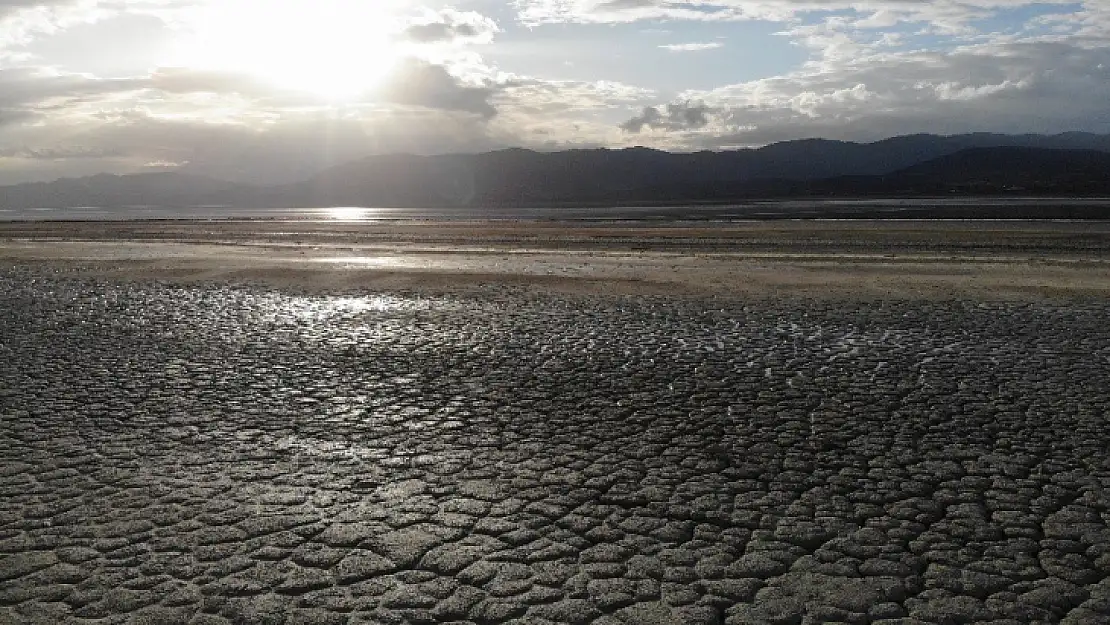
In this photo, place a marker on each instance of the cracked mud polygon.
(223, 454)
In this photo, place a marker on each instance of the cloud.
(285, 148)
(27, 92)
(449, 26)
(1014, 88)
(250, 89)
(939, 16)
(420, 83)
(11, 7)
(22, 20)
(234, 125)
(228, 124)
(412, 82)
(876, 68)
(692, 47)
(203, 122)
(57, 153)
(7, 7)
(673, 116)
(555, 97)
(189, 80)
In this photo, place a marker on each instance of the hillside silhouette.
(913, 165)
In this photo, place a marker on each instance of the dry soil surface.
(302, 432)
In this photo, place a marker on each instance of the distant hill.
(982, 171)
(1014, 167)
(519, 176)
(1073, 163)
(154, 189)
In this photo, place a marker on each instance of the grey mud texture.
(240, 455)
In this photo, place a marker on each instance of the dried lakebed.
(226, 454)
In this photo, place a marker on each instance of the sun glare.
(349, 213)
(334, 49)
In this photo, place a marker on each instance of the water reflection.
(351, 213)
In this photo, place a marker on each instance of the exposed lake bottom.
(213, 454)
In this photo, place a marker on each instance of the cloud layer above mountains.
(235, 90)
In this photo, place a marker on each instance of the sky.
(266, 91)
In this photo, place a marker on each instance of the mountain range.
(912, 165)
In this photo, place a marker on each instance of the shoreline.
(828, 260)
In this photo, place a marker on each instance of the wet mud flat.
(233, 454)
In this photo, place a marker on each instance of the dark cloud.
(290, 148)
(26, 92)
(629, 4)
(9, 116)
(58, 154)
(450, 25)
(7, 7)
(421, 108)
(419, 83)
(413, 82)
(673, 116)
(187, 80)
(439, 31)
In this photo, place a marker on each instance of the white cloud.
(545, 114)
(692, 47)
(1014, 87)
(22, 20)
(874, 13)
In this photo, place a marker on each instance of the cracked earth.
(222, 454)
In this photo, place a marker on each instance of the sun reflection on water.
(350, 213)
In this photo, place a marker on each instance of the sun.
(333, 49)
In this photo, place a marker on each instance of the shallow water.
(389, 457)
(989, 207)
